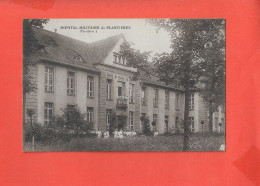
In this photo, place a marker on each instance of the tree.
(185, 66)
(72, 119)
(30, 45)
(213, 66)
(113, 125)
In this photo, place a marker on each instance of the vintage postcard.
(124, 85)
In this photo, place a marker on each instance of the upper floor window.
(48, 112)
(155, 98)
(49, 79)
(71, 84)
(120, 91)
(77, 57)
(90, 114)
(109, 89)
(118, 58)
(143, 96)
(90, 88)
(191, 101)
(167, 101)
(177, 101)
(131, 93)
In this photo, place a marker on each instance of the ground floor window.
(48, 112)
(108, 118)
(191, 124)
(143, 115)
(90, 114)
(131, 120)
(154, 123)
(166, 121)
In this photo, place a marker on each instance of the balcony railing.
(121, 103)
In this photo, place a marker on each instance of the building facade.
(96, 78)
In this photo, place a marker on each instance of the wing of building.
(96, 78)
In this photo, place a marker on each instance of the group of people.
(116, 134)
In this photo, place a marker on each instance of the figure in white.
(99, 134)
(155, 134)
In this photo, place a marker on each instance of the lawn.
(198, 142)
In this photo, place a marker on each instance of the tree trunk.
(186, 120)
(210, 117)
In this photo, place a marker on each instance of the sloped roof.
(103, 47)
(60, 48)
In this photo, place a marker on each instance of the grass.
(198, 142)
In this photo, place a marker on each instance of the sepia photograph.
(124, 85)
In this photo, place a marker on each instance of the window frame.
(47, 116)
(90, 84)
(143, 96)
(167, 99)
(131, 120)
(131, 93)
(155, 97)
(90, 114)
(109, 89)
(69, 87)
(108, 118)
(191, 124)
(47, 85)
(191, 101)
(177, 97)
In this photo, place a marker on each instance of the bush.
(39, 132)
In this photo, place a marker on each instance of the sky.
(144, 36)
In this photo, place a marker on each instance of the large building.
(96, 78)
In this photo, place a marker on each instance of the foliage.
(146, 125)
(30, 45)
(113, 125)
(72, 119)
(190, 60)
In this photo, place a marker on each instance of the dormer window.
(119, 59)
(77, 58)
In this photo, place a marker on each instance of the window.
(48, 112)
(166, 127)
(167, 101)
(154, 120)
(120, 89)
(115, 58)
(71, 84)
(191, 102)
(143, 115)
(143, 96)
(216, 123)
(49, 79)
(131, 120)
(155, 98)
(70, 106)
(191, 124)
(90, 88)
(108, 118)
(119, 59)
(90, 114)
(176, 121)
(177, 101)
(131, 93)
(109, 89)
(124, 60)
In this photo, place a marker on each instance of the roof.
(61, 49)
(103, 47)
